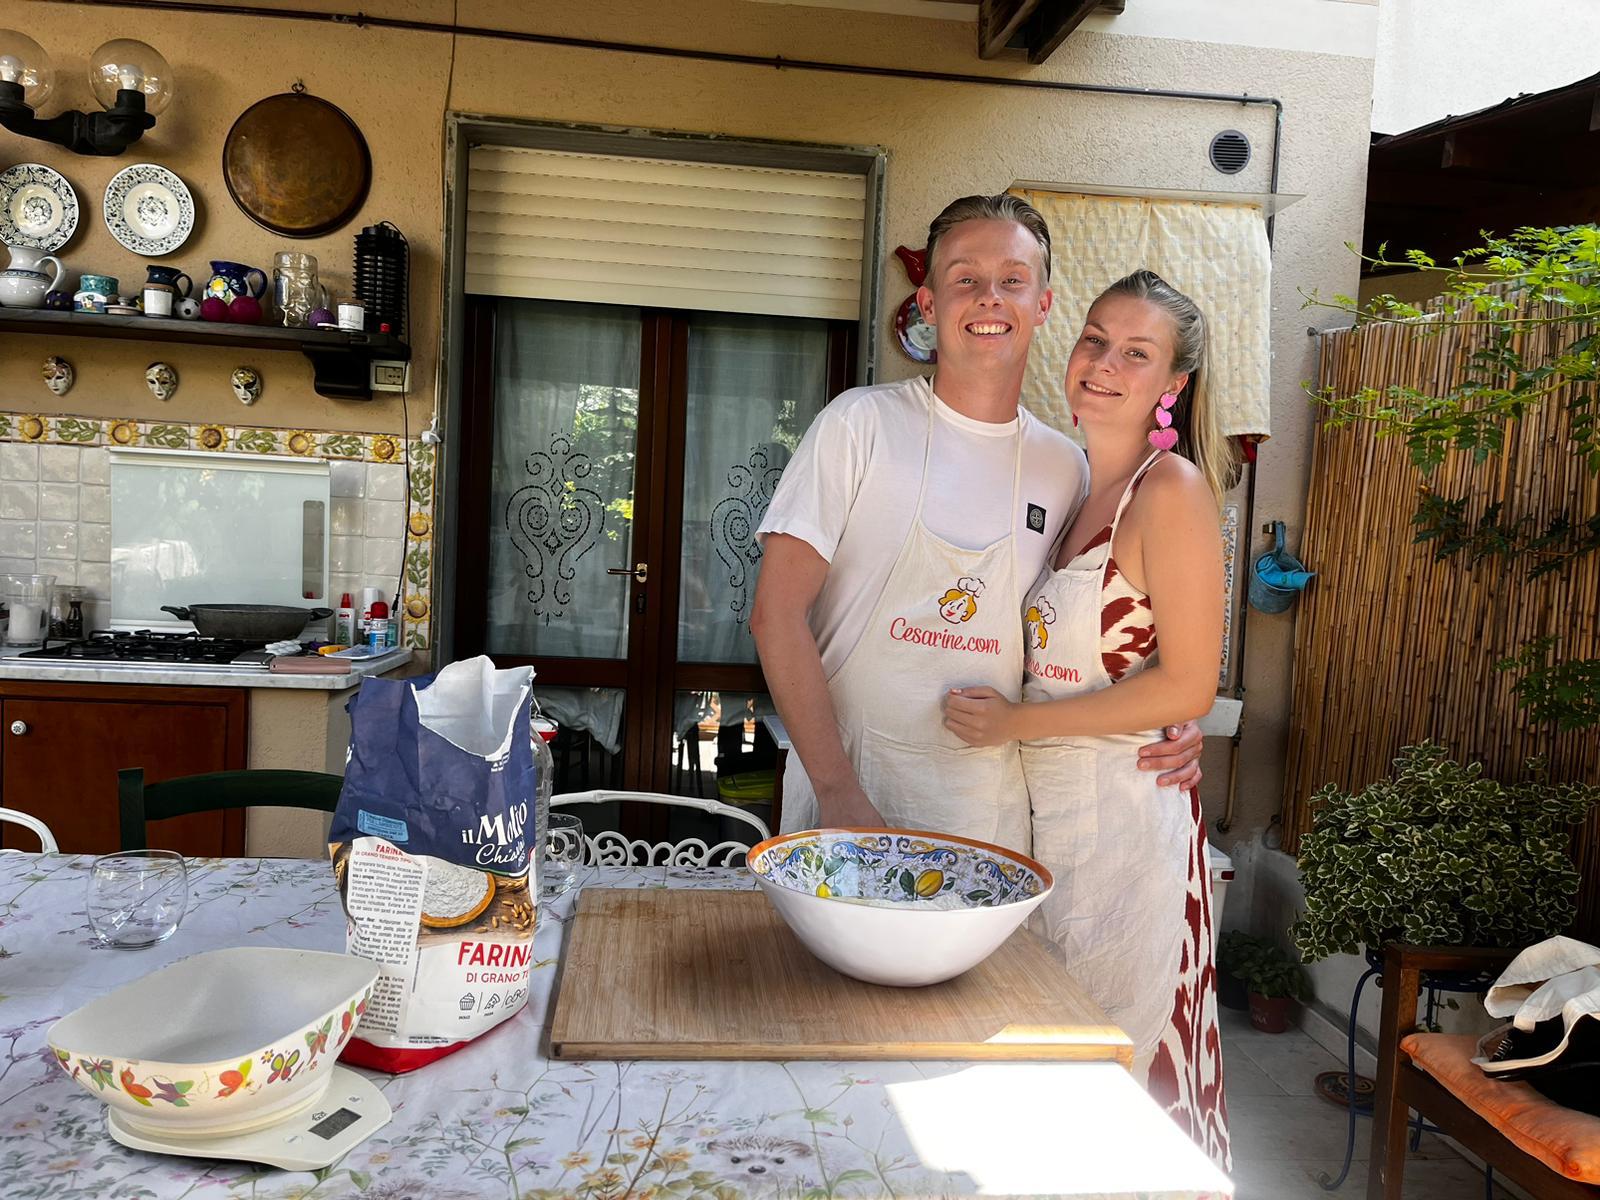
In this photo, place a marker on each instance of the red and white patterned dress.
(1180, 1058)
(1186, 1074)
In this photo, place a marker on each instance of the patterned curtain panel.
(1216, 253)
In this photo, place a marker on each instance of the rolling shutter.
(615, 229)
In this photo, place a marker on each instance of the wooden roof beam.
(999, 21)
(1040, 26)
(1052, 23)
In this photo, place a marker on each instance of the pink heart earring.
(1165, 437)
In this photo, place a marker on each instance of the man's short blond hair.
(1004, 207)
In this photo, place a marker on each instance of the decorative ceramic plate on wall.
(148, 209)
(38, 207)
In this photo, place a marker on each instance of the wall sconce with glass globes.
(131, 81)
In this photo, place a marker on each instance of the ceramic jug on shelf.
(167, 277)
(23, 283)
(230, 280)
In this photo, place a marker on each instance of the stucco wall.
(1493, 50)
(942, 139)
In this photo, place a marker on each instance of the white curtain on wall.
(1215, 253)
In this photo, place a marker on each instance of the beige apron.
(1117, 844)
(947, 618)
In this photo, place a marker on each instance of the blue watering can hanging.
(1277, 577)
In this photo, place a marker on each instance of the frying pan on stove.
(248, 622)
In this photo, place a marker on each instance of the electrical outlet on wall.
(386, 376)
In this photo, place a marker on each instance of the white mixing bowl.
(223, 1042)
(898, 906)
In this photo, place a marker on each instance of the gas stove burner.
(148, 646)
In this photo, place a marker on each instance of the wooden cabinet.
(62, 744)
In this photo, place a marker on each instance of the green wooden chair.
(139, 802)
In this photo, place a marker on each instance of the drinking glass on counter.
(563, 855)
(137, 897)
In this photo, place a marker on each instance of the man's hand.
(1178, 757)
(847, 808)
(980, 716)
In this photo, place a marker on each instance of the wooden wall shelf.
(340, 359)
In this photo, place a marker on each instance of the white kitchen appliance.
(349, 1112)
(193, 527)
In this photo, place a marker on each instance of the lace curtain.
(564, 474)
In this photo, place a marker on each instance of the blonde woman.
(1141, 566)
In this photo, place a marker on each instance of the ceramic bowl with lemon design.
(898, 907)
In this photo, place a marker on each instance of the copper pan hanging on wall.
(296, 164)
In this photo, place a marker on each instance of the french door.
(616, 463)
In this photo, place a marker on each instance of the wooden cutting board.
(688, 973)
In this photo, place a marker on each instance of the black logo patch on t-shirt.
(1036, 518)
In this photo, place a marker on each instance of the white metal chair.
(607, 848)
(47, 840)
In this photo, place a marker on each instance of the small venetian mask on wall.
(162, 380)
(58, 375)
(246, 384)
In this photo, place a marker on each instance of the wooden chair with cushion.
(139, 802)
(1552, 1152)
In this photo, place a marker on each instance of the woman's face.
(1122, 363)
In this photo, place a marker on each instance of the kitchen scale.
(318, 1135)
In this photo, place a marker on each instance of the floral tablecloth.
(498, 1119)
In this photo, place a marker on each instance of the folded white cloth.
(1558, 978)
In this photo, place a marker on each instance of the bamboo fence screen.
(1392, 647)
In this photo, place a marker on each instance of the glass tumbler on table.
(137, 897)
(563, 855)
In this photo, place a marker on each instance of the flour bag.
(431, 849)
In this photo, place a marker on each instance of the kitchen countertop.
(65, 671)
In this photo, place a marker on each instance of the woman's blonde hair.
(1200, 436)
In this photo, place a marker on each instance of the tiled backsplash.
(55, 503)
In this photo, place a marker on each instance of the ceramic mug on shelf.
(168, 277)
(94, 293)
(230, 280)
(159, 299)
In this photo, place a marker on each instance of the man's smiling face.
(986, 293)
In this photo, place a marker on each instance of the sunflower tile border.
(417, 456)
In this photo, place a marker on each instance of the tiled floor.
(1285, 1136)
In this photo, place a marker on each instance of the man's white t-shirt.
(851, 493)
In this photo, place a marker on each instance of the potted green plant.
(1233, 950)
(1274, 982)
(1437, 854)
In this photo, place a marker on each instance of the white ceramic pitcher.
(23, 284)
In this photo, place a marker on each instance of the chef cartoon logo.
(960, 603)
(1039, 617)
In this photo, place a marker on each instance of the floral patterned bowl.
(223, 1042)
(898, 906)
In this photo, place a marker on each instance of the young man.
(899, 545)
